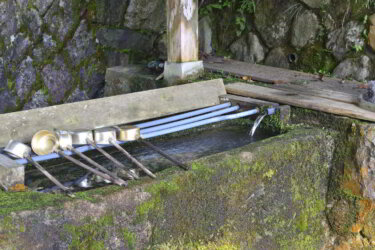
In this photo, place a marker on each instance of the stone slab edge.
(115, 110)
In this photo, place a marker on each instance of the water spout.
(256, 124)
(260, 118)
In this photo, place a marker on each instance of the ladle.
(85, 137)
(66, 141)
(109, 136)
(20, 150)
(46, 142)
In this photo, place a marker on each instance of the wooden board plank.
(319, 92)
(271, 75)
(246, 101)
(304, 101)
(121, 109)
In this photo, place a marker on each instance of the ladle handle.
(158, 150)
(132, 159)
(82, 165)
(46, 173)
(111, 158)
(95, 164)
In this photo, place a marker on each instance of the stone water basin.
(268, 194)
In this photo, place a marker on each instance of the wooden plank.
(115, 110)
(298, 100)
(319, 92)
(246, 101)
(272, 75)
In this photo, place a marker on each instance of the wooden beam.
(279, 76)
(299, 100)
(115, 110)
(182, 30)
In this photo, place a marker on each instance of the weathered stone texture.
(272, 23)
(277, 58)
(252, 197)
(205, 35)
(344, 39)
(33, 22)
(9, 20)
(360, 69)
(248, 49)
(59, 18)
(125, 39)
(111, 12)
(304, 29)
(145, 14)
(57, 79)
(38, 100)
(82, 45)
(316, 3)
(25, 78)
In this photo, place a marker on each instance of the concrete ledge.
(174, 72)
(115, 110)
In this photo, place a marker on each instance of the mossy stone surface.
(270, 194)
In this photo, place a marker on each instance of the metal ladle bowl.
(44, 142)
(109, 136)
(20, 150)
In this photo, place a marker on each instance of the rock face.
(132, 78)
(266, 195)
(125, 39)
(111, 12)
(205, 35)
(248, 49)
(343, 40)
(144, 14)
(272, 24)
(82, 44)
(57, 79)
(365, 158)
(316, 3)
(277, 58)
(25, 78)
(38, 100)
(60, 24)
(304, 29)
(360, 69)
(9, 20)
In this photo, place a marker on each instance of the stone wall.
(320, 36)
(56, 51)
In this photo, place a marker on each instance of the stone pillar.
(183, 43)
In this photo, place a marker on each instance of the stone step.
(129, 79)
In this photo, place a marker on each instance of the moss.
(316, 59)
(157, 190)
(91, 234)
(129, 238)
(201, 204)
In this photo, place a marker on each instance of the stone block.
(132, 78)
(174, 72)
(11, 173)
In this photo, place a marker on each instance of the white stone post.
(183, 43)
